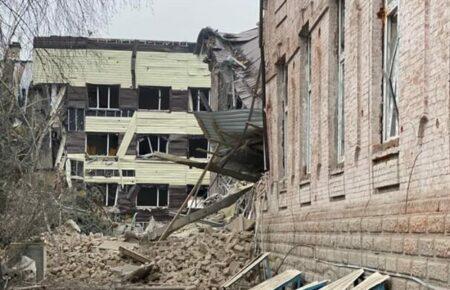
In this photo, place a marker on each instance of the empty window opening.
(128, 173)
(198, 147)
(340, 127)
(103, 172)
(75, 119)
(199, 100)
(102, 144)
(390, 80)
(104, 193)
(76, 168)
(149, 144)
(103, 97)
(154, 98)
(282, 92)
(153, 195)
(202, 194)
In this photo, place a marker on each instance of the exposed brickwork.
(388, 206)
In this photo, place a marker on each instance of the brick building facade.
(358, 122)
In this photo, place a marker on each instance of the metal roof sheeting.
(228, 126)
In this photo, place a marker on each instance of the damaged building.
(234, 119)
(357, 106)
(120, 102)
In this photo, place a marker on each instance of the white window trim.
(152, 150)
(98, 100)
(191, 101)
(77, 163)
(391, 9)
(107, 195)
(107, 145)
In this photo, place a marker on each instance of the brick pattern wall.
(388, 206)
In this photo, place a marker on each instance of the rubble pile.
(74, 256)
(206, 259)
(203, 257)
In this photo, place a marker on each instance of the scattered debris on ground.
(198, 255)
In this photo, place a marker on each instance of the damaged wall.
(387, 205)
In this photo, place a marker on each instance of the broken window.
(103, 97)
(198, 147)
(306, 105)
(202, 191)
(339, 142)
(153, 195)
(76, 168)
(390, 80)
(154, 98)
(75, 119)
(103, 172)
(102, 144)
(148, 144)
(199, 99)
(282, 92)
(111, 194)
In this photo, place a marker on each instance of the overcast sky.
(181, 20)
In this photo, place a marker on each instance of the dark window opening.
(128, 173)
(202, 191)
(154, 98)
(102, 144)
(103, 96)
(153, 195)
(148, 144)
(111, 192)
(75, 119)
(198, 98)
(198, 147)
(76, 168)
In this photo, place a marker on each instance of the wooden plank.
(283, 279)
(133, 255)
(314, 285)
(246, 269)
(129, 134)
(345, 281)
(376, 279)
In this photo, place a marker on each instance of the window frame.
(77, 163)
(98, 108)
(340, 101)
(107, 143)
(390, 65)
(158, 187)
(147, 137)
(282, 92)
(160, 89)
(199, 102)
(76, 110)
(107, 195)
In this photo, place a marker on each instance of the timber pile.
(203, 258)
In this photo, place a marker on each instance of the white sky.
(182, 20)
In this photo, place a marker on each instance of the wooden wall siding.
(75, 142)
(177, 195)
(178, 145)
(179, 101)
(147, 171)
(76, 97)
(128, 98)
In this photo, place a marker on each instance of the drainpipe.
(263, 82)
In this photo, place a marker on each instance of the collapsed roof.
(240, 52)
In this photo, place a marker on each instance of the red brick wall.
(396, 212)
